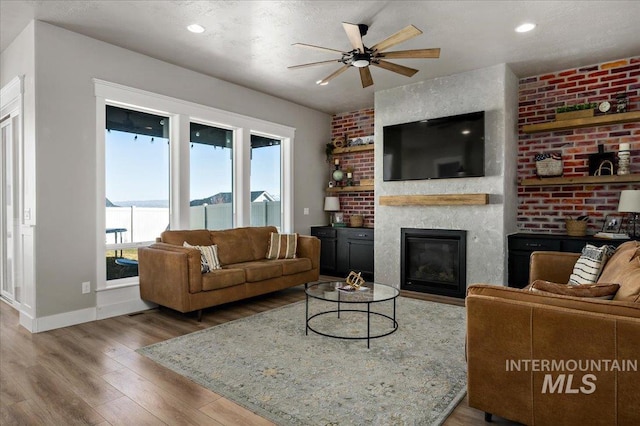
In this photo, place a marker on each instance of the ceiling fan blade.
(404, 34)
(400, 69)
(311, 46)
(311, 64)
(353, 32)
(334, 74)
(365, 77)
(410, 54)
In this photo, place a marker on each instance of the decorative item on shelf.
(624, 159)
(332, 205)
(363, 140)
(621, 102)
(355, 280)
(612, 223)
(337, 175)
(339, 220)
(570, 112)
(328, 151)
(596, 161)
(630, 203)
(605, 169)
(549, 164)
(356, 220)
(577, 227)
(339, 142)
(604, 107)
(349, 176)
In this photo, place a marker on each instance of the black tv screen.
(438, 148)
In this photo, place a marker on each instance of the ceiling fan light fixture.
(361, 60)
(322, 83)
(195, 28)
(526, 27)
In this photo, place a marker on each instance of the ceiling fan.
(362, 56)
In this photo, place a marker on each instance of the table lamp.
(331, 204)
(630, 203)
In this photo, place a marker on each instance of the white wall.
(493, 90)
(18, 59)
(66, 62)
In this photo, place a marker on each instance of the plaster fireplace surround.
(495, 91)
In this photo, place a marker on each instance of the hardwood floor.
(91, 374)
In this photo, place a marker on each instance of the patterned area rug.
(265, 363)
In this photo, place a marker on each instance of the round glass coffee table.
(374, 293)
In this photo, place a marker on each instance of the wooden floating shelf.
(434, 200)
(356, 148)
(580, 180)
(357, 188)
(599, 120)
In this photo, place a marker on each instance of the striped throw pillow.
(208, 257)
(282, 246)
(589, 266)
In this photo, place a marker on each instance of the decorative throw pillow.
(595, 291)
(590, 264)
(282, 246)
(208, 257)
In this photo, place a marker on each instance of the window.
(211, 177)
(266, 172)
(163, 163)
(137, 186)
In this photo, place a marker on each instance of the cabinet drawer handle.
(362, 235)
(533, 245)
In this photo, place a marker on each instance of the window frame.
(181, 113)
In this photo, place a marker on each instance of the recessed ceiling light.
(526, 27)
(195, 28)
(466, 132)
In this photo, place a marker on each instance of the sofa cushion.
(589, 266)
(282, 246)
(208, 257)
(259, 270)
(596, 291)
(222, 278)
(241, 244)
(294, 266)
(624, 268)
(195, 237)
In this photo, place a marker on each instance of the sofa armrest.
(309, 247)
(169, 269)
(552, 266)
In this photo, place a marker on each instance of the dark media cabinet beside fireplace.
(521, 245)
(343, 250)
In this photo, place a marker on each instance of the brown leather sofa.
(514, 335)
(170, 274)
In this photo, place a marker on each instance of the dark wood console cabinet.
(345, 249)
(521, 246)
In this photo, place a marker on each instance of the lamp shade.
(331, 204)
(629, 201)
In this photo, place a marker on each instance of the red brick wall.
(351, 125)
(544, 208)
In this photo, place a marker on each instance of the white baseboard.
(120, 301)
(109, 303)
(64, 319)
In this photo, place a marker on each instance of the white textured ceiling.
(250, 42)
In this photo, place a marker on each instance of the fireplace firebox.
(434, 261)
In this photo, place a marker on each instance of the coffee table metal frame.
(359, 297)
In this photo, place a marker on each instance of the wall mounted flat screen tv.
(439, 148)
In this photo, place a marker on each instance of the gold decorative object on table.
(355, 280)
